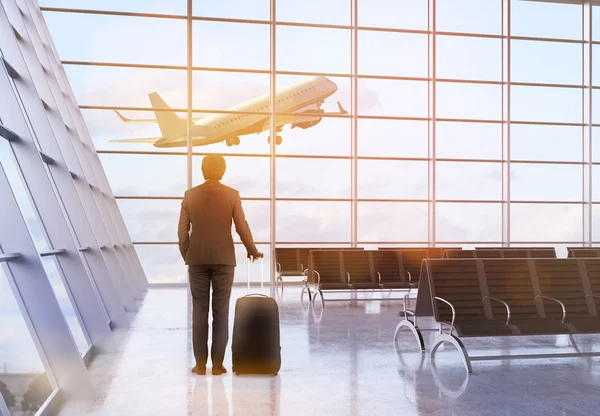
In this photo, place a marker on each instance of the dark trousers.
(201, 277)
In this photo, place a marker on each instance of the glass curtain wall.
(460, 122)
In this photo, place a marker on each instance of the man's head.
(213, 167)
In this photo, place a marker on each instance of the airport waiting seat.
(459, 254)
(289, 263)
(578, 252)
(357, 267)
(388, 270)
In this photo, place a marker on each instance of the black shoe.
(201, 371)
(218, 370)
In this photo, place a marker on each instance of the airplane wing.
(140, 140)
(143, 120)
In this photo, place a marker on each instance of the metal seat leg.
(440, 339)
(414, 329)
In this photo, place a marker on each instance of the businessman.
(206, 245)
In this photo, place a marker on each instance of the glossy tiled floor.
(336, 361)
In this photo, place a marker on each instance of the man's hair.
(213, 167)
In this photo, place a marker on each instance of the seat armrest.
(562, 305)
(452, 309)
(409, 277)
(348, 274)
(505, 305)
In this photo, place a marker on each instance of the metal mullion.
(94, 203)
(189, 96)
(432, 114)
(112, 13)
(354, 128)
(590, 129)
(273, 134)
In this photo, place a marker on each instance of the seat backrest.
(435, 252)
(303, 257)
(329, 265)
(411, 261)
(583, 252)
(453, 253)
(357, 263)
(561, 279)
(542, 253)
(515, 253)
(288, 259)
(488, 253)
(509, 280)
(387, 263)
(457, 281)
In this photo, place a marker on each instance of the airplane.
(302, 98)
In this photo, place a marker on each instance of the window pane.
(469, 58)
(246, 45)
(336, 12)
(313, 178)
(552, 19)
(470, 16)
(392, 221)
(140, 39)
(468, 140)
(241, 271)
(469, 101)
(214, 90)
(162, 263)
(22, 368)
(544, 222)
(152, 220)
(392, 98)
(249, 175)
(145, 175)
(596, 223)
(534, 142)
(66, 302)
(313, 221)
(545, 104)
(127, 87)
(460, 222)
(392, 179)
(300, 49)
(146, 6)
(546, 62)
(329, 137)
(464, 180)
(392, 138)
(545, 182)
(399, 14)
(408, 57)
(596, 144)
(248, 9)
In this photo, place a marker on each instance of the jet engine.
(310, 123)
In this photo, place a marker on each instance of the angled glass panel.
(313, 221)
(462, 222)
(468, 140)
(140, 40)
(392, 179)
(469, 16)
(313, 178)
(392, 221)
(23, 381)
(399, 14)
(392, 138)
(545, 222)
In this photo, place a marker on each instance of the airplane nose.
(332, 85)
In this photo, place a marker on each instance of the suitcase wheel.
(275, 374)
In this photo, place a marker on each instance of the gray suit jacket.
(208, 210)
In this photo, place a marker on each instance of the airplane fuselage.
(217, 128)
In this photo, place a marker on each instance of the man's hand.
(255, 256)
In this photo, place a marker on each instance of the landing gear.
(278, 140)
(231, 141)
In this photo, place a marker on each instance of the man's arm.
(183, 229)
(243, 229)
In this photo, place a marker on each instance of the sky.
(234, 45)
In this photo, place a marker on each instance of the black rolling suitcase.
(255, 345)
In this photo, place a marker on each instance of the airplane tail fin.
(171, 126)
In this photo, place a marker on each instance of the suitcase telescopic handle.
(262, 276)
